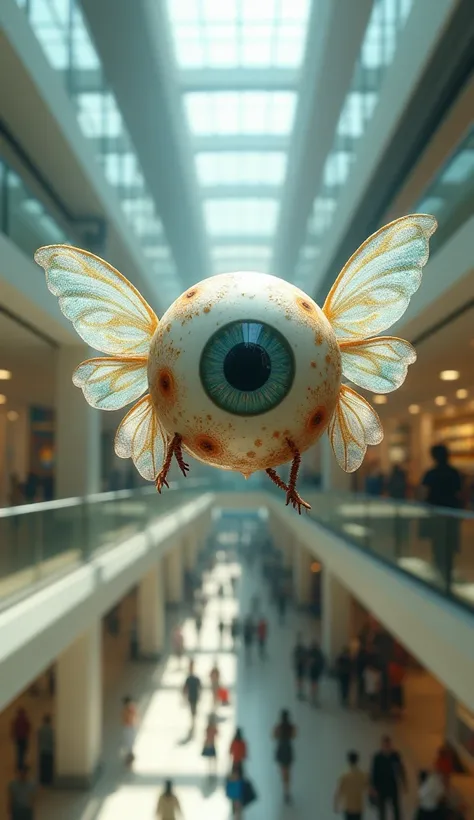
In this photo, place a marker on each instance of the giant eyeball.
(242, 364)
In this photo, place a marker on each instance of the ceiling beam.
(240, 142)
(240, 79)
(254, 191)
(147, 91)
(239, 239)
(331, 52)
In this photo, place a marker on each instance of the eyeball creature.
(243, 371)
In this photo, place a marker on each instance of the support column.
(190, 549)
(78, 430)
(336, 615)
(174, 576)
(302, 578)
(151, 614)
(79, 711)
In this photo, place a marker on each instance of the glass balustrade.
(433, 544)
(41, 541)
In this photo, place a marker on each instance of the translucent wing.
(379, 364)
(375, 286)
(112, 382)
(140, 437)
(354, 425)
(105, 309)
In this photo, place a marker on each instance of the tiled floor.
(258, 690)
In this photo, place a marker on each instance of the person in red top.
(396, 675)
(445, 762)
(20, 732)
(262, 634)
(238, 748)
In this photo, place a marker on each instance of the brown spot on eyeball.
(191, 293)
(316, 418)
(166, 383)
(209, 418)
(313, 364)
(207, 309)
(305, 305)
(208, 445)
(251, 454)
(258, 442)
(328, 358)
(318, 339)
(168, 328)
(276, 434)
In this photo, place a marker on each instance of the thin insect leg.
(161, 478)
(292, 495)
(178, 452)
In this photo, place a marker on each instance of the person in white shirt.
(372, 680)
(430, 794)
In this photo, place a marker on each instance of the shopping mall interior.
(178, 140)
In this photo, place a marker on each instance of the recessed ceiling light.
(462, 393)
(5, 374)
(380, 399)
(12, 415)
(3, 399)
(449, 375)
(441, 401)
(414, 409)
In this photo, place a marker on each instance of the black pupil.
(247, 367)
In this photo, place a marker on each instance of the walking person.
(442, 486)
(249, 633)
(372, 683)
(198, 625)
(129, 729)
(209, 748)
(235, 632)
(284, 733)
(361, 660)
(344, 675)
(352, 790)
(168, 807)
(192, 692)
(215, 676)
(46, 752)
(262, 635)
(238, 748)
(21, 796)
(315, 665)
(178, 643)
(431, 791)
(221, 629)
(234, 790)
(21, 733)
(300, 658)
(387, 777)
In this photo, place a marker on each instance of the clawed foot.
(293, 497)
(174, 449)
(160, 480)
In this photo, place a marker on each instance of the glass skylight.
(241, 217)
(239, 33)
(241, 251)
(240, 112)
(241, 168)
(386, 22)
(460, 168)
